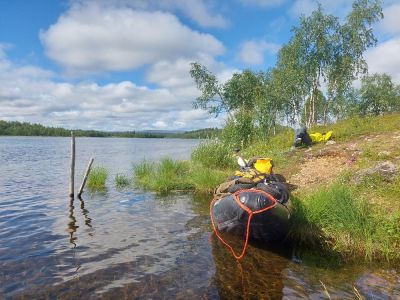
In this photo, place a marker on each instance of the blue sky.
(124, 64)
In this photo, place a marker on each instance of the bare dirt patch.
(317, 170)
(323, 163)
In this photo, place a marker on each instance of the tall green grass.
(344, 222)
(143, 173)
(274, 147)
(205, 179)
(170, 175)
(97, 179)
(214, 154)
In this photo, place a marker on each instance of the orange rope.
(246, 209)
(244, 292)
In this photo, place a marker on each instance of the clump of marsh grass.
(97, 179)
(143, 173)
(162, 177)
(121, 181)
(170, 175)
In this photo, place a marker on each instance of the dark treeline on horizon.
(15, 128)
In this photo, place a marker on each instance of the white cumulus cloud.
(305, 7)
(385, 58)
(201, 12)
(263, 3)
(391, 21)
(253, 52)
(91, 39)
(32, 94)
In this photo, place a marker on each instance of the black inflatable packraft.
(267, 226)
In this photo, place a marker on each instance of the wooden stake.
(72, 169)
(85, 177)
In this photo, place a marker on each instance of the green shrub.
(239, 130)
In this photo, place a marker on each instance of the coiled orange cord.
(249, 211)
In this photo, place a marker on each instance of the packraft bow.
(253, 205)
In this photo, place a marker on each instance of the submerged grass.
(97, 179)
(121, 181)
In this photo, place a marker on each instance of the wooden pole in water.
(72, 169)
(85, 177)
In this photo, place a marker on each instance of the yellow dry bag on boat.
(263, 165)
(258, 168)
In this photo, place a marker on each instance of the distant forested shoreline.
(15, 128)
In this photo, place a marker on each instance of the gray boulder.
(386, 169)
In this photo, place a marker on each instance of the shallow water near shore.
(136, 245)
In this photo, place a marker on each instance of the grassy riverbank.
(342, 202)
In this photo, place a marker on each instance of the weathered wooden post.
(72, 169)
(85, 177)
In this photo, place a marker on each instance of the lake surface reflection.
(136, 245)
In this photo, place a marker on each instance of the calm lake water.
(131, 244)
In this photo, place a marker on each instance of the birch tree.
(325, 56)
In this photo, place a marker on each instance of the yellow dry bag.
(263, 165)
(319, 137)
